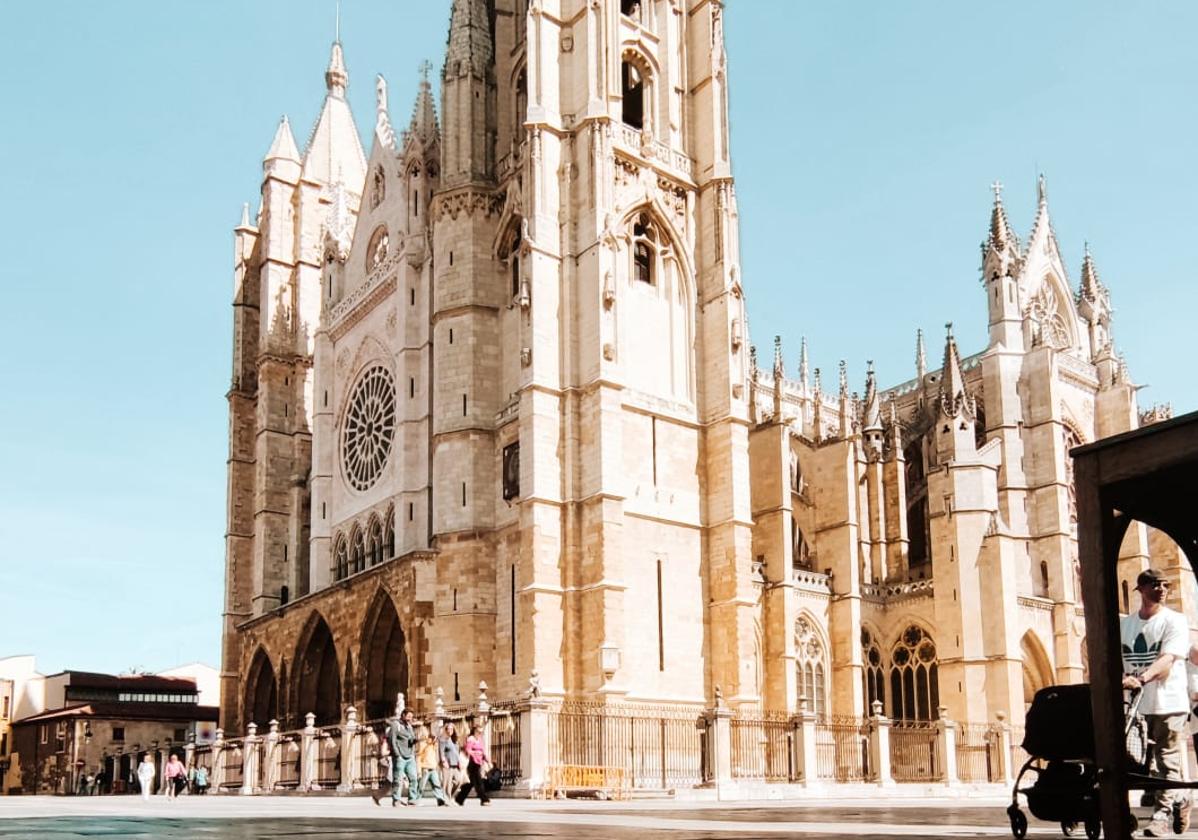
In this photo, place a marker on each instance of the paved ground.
(314, 818)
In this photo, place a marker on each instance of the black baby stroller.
(1059, 741)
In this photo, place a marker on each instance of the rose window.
(369, 428)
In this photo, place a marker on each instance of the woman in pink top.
(176, 777)
(476, 753)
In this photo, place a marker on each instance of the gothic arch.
(375, 550)
(357, 549)
(261, 691)
(389, 532)
(1037, 669)
(914, 680)
(317, 673)
(340, 557)
(383, 656)
(660, 316)
(873, 670)
(812, 665)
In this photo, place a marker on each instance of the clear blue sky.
(865, 137)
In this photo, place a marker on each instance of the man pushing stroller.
(1155, 643)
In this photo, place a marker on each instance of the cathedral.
(496, 417)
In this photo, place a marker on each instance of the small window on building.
(511, 471)
(632, 88)
(181, 735)
(631, 8)
(643, 249)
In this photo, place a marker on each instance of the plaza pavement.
(312, 817)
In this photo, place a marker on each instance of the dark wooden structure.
(1149, 475)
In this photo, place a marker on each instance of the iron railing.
(372, 737)
(913, 751)
(761, 747)
(287, 760)
(232, 760)
(1019, 755)
(505, 744)
(977, 753)
(328, 758)
(655, 747)
(842, 749)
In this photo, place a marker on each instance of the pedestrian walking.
(478, 763)
(428, 761)
(401, 738)
(451, 759)
(201, 780)
(176, 776)
(1155, 642)
(145, 776)
(98, 781)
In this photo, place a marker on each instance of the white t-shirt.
(1143, 642)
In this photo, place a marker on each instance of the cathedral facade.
(495, 417)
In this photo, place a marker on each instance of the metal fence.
(232, 759)
(842, 749)
(913, 751)
(1019, 755)
(287, 760)
(656, 748)
(202, 757)
(328, 758)
(978, 758)
(372, 771)
(505, 745)
(761, 747)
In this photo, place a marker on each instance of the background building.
(494, 417)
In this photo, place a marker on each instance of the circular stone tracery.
(369, 428)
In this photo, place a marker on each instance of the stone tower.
(276, 312)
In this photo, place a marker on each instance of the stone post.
(879, 747)
(946, 746)
(249, 759)
(719, 742)
(1003, 737)
(350, 749)
(308, 747)
(482, 717)
(534, 739)
(270, 755)
(803, 759)
(189, 751)
(218, 762)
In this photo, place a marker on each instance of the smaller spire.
(803, 364)
(779, 377)
(953, 396)
(336, 78)
(424, 112)
(1091, 287)
(283, 146)
(778, 355)
(844, 379)
(1000, 229)
(873, 409)
(1041, 190)
(921, 357)
(245, 215)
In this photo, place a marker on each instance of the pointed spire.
(1091, 287)
(921, 357)
(844, 379)
(817, 414)
(338, 223)
(283, 146)
(424, 112)
(469, 38)
(1042, 220)
(383, 132)
(953, 396)
(873, 409)
(779, 377)
(245, 215)
(803, 364)
(336, 78)
(1000, 229)
(1041, 191)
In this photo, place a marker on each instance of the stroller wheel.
(1068, 827)
(1018, 822)
(1093, 828)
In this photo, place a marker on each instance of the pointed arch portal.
(318, 688)
(384, 658)
(261, 691)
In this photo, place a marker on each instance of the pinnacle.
(336, 78)
(1000, 228)
(283, 146)
(873, 409)
(952, 382)
(424, 111)
(1091, 286)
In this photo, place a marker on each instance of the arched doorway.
(318, 679)
(261, 691)
(384, 657)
